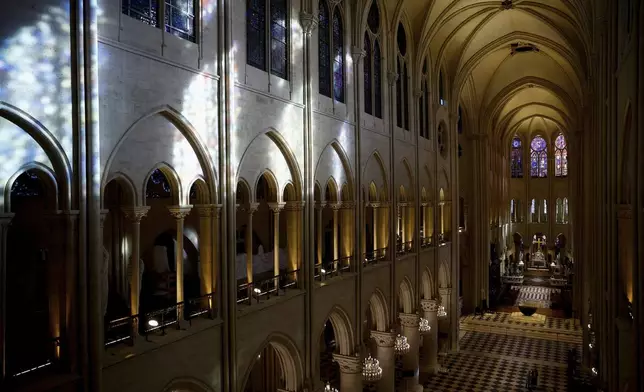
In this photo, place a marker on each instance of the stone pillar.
(384, 225)
(318, 232)
(206, 214)
(401, 223)
(336, 246)
(386, 355)
(293, 211)
(374, 210)
(215, 221)
(410, 225)
(276, 208)
(179, 213)
(441, 209)
(134, 215)
(446, 300)
(5, 221)
(350, 372)
(347, 221)
(409, 323)
(252, 207)
(429, 363)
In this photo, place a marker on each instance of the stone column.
(446, 300)
(5, 221)
(205, 212)
(293, 210)
(374, 210)
(134, 215)
(179, 213)
(276, 208)
(215, 221)
(383, 209)
(387, 357)
(318, 232)
(429, 362)
(409, 323)
(336, 246)
(350, 372)
(250, 209)
(347, 221)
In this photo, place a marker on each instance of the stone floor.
(489, 362)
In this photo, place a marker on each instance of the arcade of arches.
(270, 195)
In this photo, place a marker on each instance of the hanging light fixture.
(423, 325)
(329, 388)
(441, 311)
(401, 346)
(371, 370)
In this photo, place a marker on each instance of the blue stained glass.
(256, 34)
(145, 11)
(324, 61)
(538, 144)
(279, 36)
(368, 99)
(377, 81)
(338, 61)
(158, 186)
(27, 185)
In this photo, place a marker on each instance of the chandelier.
(329, 388)
(371, 370)
(441, 311)
(401, 346)
(424, 326)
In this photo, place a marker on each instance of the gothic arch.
(427, 282)
(271, 182)
(341, 154)
(368, 176)
(242, 191)
(126, 184)
(379, 310)
(334, 195)
(443, 275)
(173, 179)
(51, 147)
(410, 178)
(45, 174)
(187, 384)
(406, 296)
(201, 189)
(344, 334)
(289, 357)
(383, 22)
(188, 131)
(287, 154)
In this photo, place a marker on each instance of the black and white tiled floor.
(490, 362)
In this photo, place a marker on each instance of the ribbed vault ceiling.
(505, 90)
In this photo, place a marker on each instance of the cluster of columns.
(421, 358)
(208, 233)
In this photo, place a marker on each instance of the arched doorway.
(329, 370)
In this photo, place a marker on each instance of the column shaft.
(409, 324)
(179, 213)
(374, 212)
(430, 340)
(134, 215)
(205, 249)
(350, 372)
(318, 234)
(387, 357)
(336, 245)
(249, 247)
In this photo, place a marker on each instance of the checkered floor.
(493, 362)
(537, 294)
(553, 323)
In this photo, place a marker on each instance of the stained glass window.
(565, 210)
(279, 38)
(401, 39)
(180, 18)
(561, 156)
(539, 157)
(158, 186)
(534, 212)
(324, 51)
(338, 57)
(405, 98)
(402, 99)
(146, 11)
(377, 80)
(516, 158)
(544, 212)
(399, 119)
(368, 99)
(27, 185)
(256, 33)
(559, 211)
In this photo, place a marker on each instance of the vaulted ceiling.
(507, 62)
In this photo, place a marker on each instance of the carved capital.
(179, 212)
(320, 206)
(445, 291)
(308, 22)
(5, 219)
(373, 204)
(276, 207)
(249, 208)
(335, 206)
(347, 205)
(204, 210)
(294, 206)
(216, 211)
(429, 305)
(349, 364)
(357, 54)
(384, 339)
(135, 214)
(410, 320)
(392, 77)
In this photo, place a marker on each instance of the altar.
(537, 259)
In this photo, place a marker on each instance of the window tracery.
(516, 158)
(331, 50)
(402, 88)
(178, 18)
(267, 20)
(538, 158)
(561, 156)
(372, 64)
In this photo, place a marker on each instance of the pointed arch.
(344, 161)
(427, 281)
(289, 193)
(243, 192)
(289, 357)
(345, 337)
(52, 148)
(379, 310)
(382, 181)
(272, 187)
(126, 184)
(410, 178)
(430, 183)
(173, 179)
(443, 274)
(188, 131)
(331, 194)
(201, 190)
(45, 174)
(373, 192)
(406, 296)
